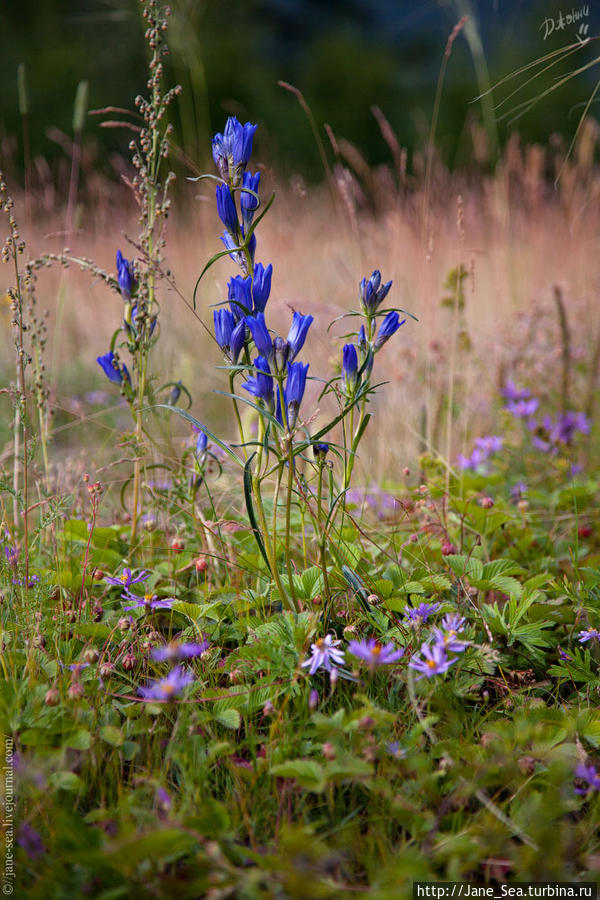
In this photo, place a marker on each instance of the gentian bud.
(294, 391)
(388, 327)
(297, 334)
(175, 394)
(226, 208)
(261, 286)
(202, 440)
(320, 451)
(125, 275)
(349, 370)
(232, 149)
(248, 202)
(280, 354)
(372, 293)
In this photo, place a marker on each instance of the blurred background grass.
(369, 70)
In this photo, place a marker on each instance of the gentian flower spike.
(349, 369)
(297, 334)
(260, 335)
(248, 202)
(372, 293)
(261, 286)
(294, 391)
(226, 208)
(111, 368)
(261, 385)
(125, 275)
(388, 327)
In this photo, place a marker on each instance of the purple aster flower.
(324, 655)
(449, 642)
(175, 651)
(232, 149)
(388, 327)
(566, 657)
(226, 208)
(592, 634)
(415, 615)
(148, 601)
(125, 275)
(261, 286)
(453, 622)
(435, 661)
(112, 369)
(394, 749)
(477, 457)
(569, 424)
(522, 409)
(248, 202)
(12, 554)
(297, 334)
(490, 443)
(31, 841)
(126, 579)
(261, 385)
(374, 654)
(260, 335)
(589, 776)
(167, 688)
(514, 394)
(372, 293)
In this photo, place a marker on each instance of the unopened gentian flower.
(349, 369)
(434, 662)
(230, 337)
(232, 149)
(176, 651)
(511, 392)
(148, 601)
(320, 451)
(248, 202)
(388, 327)
(126, 578)
(237, 255)
(260, 335)
(112, 369)
(372, 293)
(590, 778)
(591, 634)
(374, 654)
(168, 688)
(324, 655)
(261, 385)
(523, 409)
(201, 440)
(226, 208)
(415, 615)
(239, 292)
(294, 391)
(125, 275)
(297, 334)
(261, 286)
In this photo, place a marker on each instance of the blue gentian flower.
(297, 334)
(226, 208)
(240, 296)
(294, 391)
(261, 286)
(232, 149)
(260, 335)
(201, 441)
(372, 293)
(125, 275)
(261, 385)
(230, 337)
(388, 327)
(248, 202)
(349, 369)
(320, 450)
(111, 368)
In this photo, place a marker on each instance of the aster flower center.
(431, 663)
(167, 689)
(376, 650)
